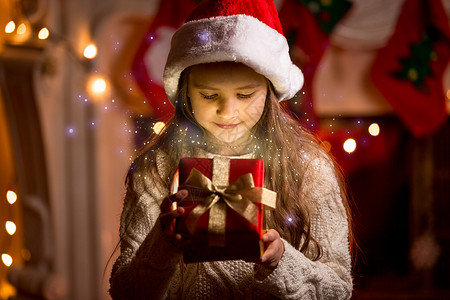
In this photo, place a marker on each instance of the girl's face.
(227, 99)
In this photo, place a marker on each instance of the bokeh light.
(11, 197)
(374, 129)
(21, 29)
(90, 51)
(158, 127)
(97, 85)
(7, 259)
(10, 227)
(43, 33)
(350, 145)
(10, 27)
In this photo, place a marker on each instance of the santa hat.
(242, 31)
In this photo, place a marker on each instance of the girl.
(227, 70)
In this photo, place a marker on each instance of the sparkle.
(204, 36)
(71, 131)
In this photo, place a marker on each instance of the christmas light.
(349, 145)
(158, 127)
(7, 259)
(10, 227)
(10, 27)
(374, 129)
(90, 51)
(43, 33)
(21, 29)
(11, 197)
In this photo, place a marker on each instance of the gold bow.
(239, 196)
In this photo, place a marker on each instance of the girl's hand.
(168, 217)
(274, 249)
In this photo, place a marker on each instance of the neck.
(238, 147)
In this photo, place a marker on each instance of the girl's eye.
(245, 96)
(209, 97)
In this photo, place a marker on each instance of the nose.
(228, 108)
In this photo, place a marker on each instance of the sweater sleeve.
(299, 277)
(147, 261)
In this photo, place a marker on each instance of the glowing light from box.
(374, 129)
(11, 197)
(10, 27)
(43, 33)
(90, 51)
(22, 29)
(350, 145)
(7, 259)
(158, 127)
(10, 227)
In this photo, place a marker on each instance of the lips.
(227, 126)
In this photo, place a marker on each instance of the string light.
(7, 259)
(43, 33)
(10, 27)
(374, 129)
(11, 197)
(10, 227)
(349, 145)
(90, 51)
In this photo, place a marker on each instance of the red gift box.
(224, 209)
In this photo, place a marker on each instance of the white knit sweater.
(149, 268)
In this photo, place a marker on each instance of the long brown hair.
(286, 148)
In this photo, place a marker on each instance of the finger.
(166, 218)
(179, 241)
(270, 236)
(270, 252)
(169, 200)
(273, 254)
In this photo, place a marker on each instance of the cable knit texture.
(150, 268)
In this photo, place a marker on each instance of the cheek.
(201, 111)
(256, 109)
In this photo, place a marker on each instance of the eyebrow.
(206, 87)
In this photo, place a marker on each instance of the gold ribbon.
(240, 195)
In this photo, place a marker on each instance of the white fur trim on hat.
(239, 38)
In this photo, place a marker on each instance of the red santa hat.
(243, 31)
